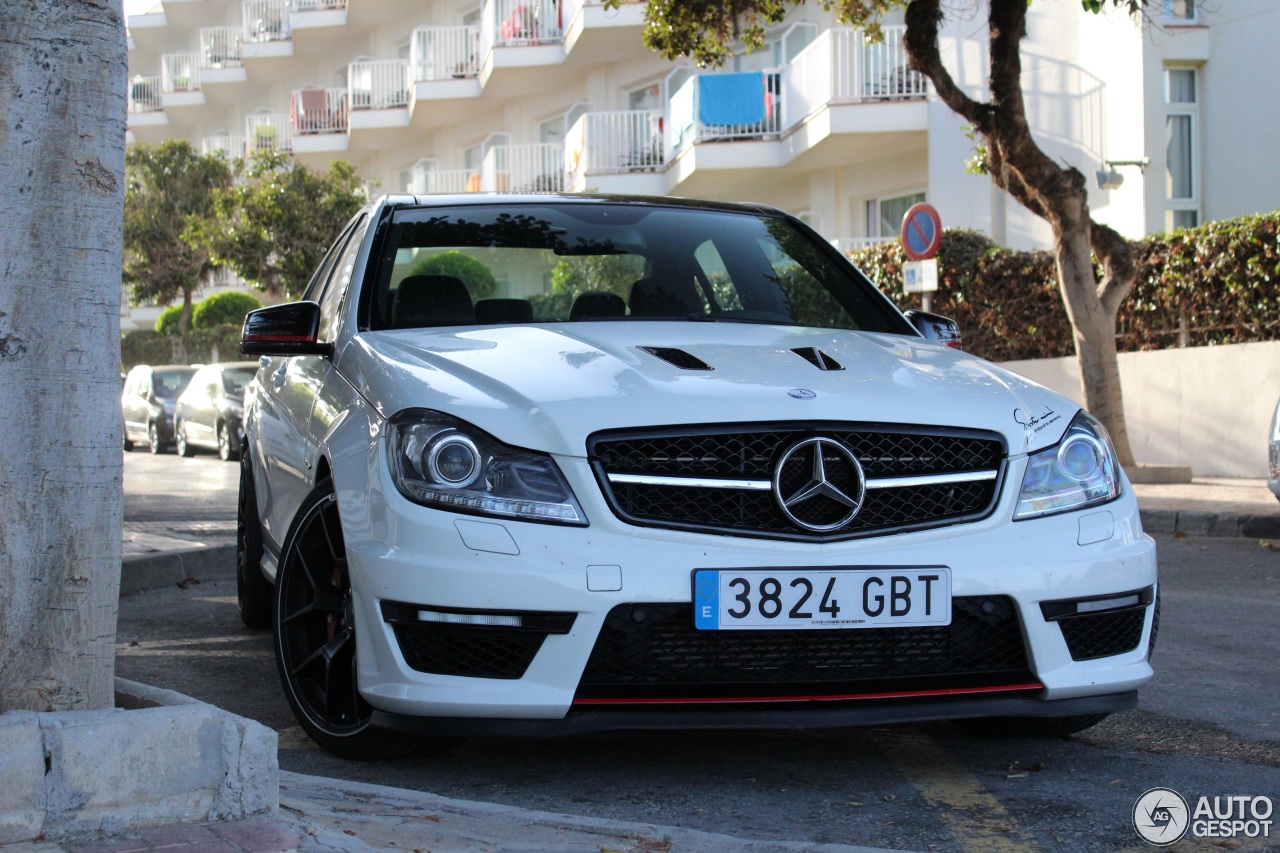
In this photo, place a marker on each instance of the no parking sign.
(921, 232)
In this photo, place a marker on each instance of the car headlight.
(442, 462)
(1079, 471)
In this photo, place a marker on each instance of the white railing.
(319, 5)
(319, 111)
(523, 168)
(845, 245)
(426, 179)
(443, 53)
(841, 66)
(767, 126)
(520, 22)
(265, 131)
(266, 20)
(180, 72)
(378, 84)
(220, 47)
(611, 142)
(144, 94)
(231, 146)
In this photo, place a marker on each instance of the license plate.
(734, 599)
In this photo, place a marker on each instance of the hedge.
(145, 346)
(226, 308)
(1216, 284)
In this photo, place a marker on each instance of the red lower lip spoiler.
(740, 700)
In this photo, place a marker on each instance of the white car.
(537, 465)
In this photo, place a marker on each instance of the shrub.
(474, 274)
(222, 309)
(167, 322)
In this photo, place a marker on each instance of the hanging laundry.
(727, 99)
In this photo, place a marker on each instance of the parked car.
(150, 395)
(210, 411)
(1273, 454)
(686, 468)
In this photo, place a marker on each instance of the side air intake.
(677, 357)
(818, 358)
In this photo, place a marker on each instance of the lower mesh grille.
(1100, 635)
(654, 651)
(468, 651)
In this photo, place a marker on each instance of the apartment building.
(455, 96)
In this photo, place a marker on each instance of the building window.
(1182, 148)
(884, 215)
(1179, 11)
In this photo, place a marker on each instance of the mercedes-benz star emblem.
(802, 393)
(819, 484)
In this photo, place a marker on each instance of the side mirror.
(289, 329)
(936, 328)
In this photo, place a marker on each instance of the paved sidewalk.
(1211, 506)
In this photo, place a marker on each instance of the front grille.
(743, 454)
(1100, 635)
(649, 651)
(468, 651)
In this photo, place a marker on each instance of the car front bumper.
(404, 554)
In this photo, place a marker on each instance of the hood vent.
(677, 357)
(818, 358)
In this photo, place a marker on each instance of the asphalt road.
(1209, 724)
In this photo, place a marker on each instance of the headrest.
(592, 304)
(649, 298)
(490, 311)
(432, 300)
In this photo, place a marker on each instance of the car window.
(236, 379)
(541, 263)
(339, 279)
(172, 382)
(319, 278)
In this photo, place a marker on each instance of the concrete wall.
(1208, 408)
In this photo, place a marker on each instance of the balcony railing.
(319, 111)
(613, 142)
(426, 179)
(845, 245)
(266, 20)
(515, 23)
(319, 5)
(220, 47)
(266, 131)
(231, 146)
(523, 168)
(444, 53)
(841, 66)
(144, 94)
(378, 84)
(180, 72)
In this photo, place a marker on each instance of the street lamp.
(1111, 179)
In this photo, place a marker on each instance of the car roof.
(477, 199)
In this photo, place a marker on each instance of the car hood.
(548, 387)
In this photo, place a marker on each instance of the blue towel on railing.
(731, 98)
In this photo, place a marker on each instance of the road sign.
(921, 232)
(920, 276)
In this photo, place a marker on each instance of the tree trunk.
(184, 319)
(62, 83)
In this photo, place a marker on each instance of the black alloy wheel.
(253, 590)
(153, 439)
(227, 451)
(180, 439)
(315, 639)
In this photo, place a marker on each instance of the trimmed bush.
(222, 309)
(167, 322)
(474, 274)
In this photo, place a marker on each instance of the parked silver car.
(147, 401)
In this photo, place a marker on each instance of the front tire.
(227, 451)
(253, 591)
(180, 437)
(154, 444)
(315, 639)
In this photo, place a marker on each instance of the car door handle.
(277, 378)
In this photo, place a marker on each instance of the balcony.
(266, 32)
(319, 120)
(313, 14)
(535, 168)
(180, 80)
(426, 179)
(145, 103)
(378, 93)
(841, 67)
(231, 147)
(221, 55)
(268, 131)
(612, 143)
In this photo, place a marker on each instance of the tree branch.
(1118, 270)
(921, 42)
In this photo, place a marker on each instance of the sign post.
(921, 236)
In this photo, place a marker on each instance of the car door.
(287, 388)
(134, 403)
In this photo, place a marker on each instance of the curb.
(1212, 524)
(163, 568)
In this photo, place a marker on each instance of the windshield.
(549, 263)
(236, 379)
(171, 383)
